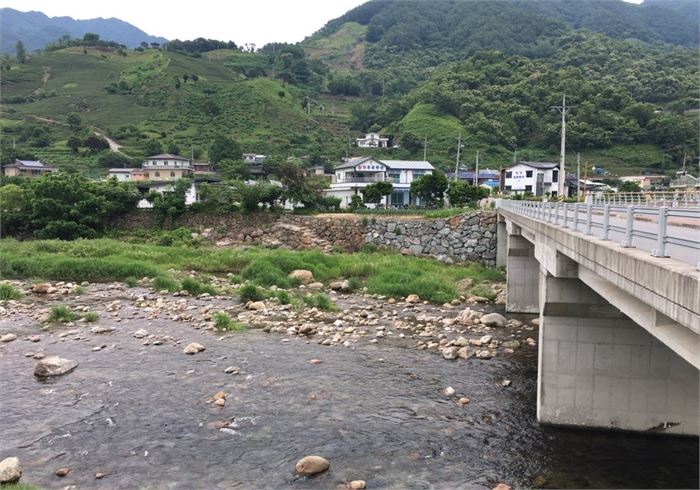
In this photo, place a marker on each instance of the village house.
(126, 174)
(372, 140)
(487, 177)
(357, 173)
(539, 178)
(167, 167)
(27, 168)
(191, 195)
(647, 182)
(253, 159)
(204, 168)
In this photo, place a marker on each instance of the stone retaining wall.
(468, 237)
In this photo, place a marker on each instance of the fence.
(673, 199)
(663, 226)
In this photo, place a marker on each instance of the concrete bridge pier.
(598, 368)
(522, 273)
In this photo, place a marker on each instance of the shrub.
(8, 291)
(164, 283)
(195, 287)
(224, 322)
(91, 316)
(78, 290)
(320, 301)
(264, 273)
(131, 282)
(61, 314)
(283, 297)
(354, 284)
(250, 292)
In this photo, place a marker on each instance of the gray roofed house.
(27, 168)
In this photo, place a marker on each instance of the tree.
(173, 148)
(74, 143)
(224, 148)
(629, 187)
(462, 194)
(168, 206)
(13, 203)
(96, 143)
(430, 189)
(374, 193)
(300, 189)
(74, 121)
(211, 108)
(152, 147)
(234, 170)
(21, 52)
(91, 38)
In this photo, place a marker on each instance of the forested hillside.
(420, 72)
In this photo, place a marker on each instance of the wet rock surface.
(365, 386)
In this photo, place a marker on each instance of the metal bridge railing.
(658, 227)
(671, 199)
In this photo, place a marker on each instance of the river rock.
(311, 465)
(193, 348)
(41, 288)
(101, 329)
(502, 486)
(511, 344)
(10, 470)
(315, 285)
(461, 342)
(449, 391)
(450, 353)
(256, 305)
(54, 366)
(412, 299)
(8, 337)
(464, 285)
(140, 333)
(302, 275)
(357, 485)
(493, 320)
(62, 472)
(342, 286)
(464, 401)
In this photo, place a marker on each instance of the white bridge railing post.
(606, 221)
(660, 250)
(629, 227)
(589, 218)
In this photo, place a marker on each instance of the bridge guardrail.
(607, 218)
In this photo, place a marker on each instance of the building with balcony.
(167, 167)
(539, 178)
(355, 174)
(372, 140)
(126, 174)
(27, 168)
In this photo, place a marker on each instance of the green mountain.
(36, 30)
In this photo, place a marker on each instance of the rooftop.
(168, 156)
(539, 165)
(29, 164)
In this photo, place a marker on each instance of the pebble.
(62, 472)
(357, 485)
(311, 465)
(10, 470)
(449, 391)
(54, 366)
(505, 382)
(8, 337)
(141, 333)
(315, 361)
(231, 370)
(502, 486)
(99, 476)
(464, 401)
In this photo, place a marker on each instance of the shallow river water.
(377, 412)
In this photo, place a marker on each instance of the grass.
(447, 213)
(8, 292)
(19, 486)
(91, 316)
(196, 288)
(320, 301)
(131, 282)
(223, 321)
(61, 314)
(104, 260)
(78, 290)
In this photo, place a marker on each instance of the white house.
(540, 178)
(252, 158)
(126, 174)
(372, 140)
(357, 173)
(166, 167)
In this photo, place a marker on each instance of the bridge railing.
(672, 199)
(654, 228)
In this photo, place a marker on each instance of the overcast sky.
(241, 21)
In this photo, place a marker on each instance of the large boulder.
(54, 366)
(311, 465)
(412, 299)
(342, 286)
(493, 320)
(194, 348)
(10, 470)
(302, 275)
(41, 288)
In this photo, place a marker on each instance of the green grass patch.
(8, 291)
(165, 283)
(447, 213)
(91, 316)
(78, 290)
(223, 321)
(250, 292)
(195, 287)
(131, 282)
(61, 314)
(320, 301)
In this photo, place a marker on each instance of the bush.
(320, 301)
(263, 273)
(8, 291)
(91, 316)
(61, 314)
(195, 287)
(483, 290)
(250, 292)
(164, 283)
(224, 322)
(131, 282)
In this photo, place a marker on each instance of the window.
(555, 175)
(509, 175)
(508, 187)
(528, 188)
(172, 174)
(157, 174)
(528, 174)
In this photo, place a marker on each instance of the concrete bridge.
(618, 294)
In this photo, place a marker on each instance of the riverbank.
(381, 387)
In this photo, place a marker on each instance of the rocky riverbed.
(395, 392)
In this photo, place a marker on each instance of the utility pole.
(563, 109)
(578, 176)
(274, 60)
(459, 146)
(476, 176)
(515, 156)
(425, 149)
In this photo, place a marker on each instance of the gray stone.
(10, 470)
(493, 320)
(54, 366)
